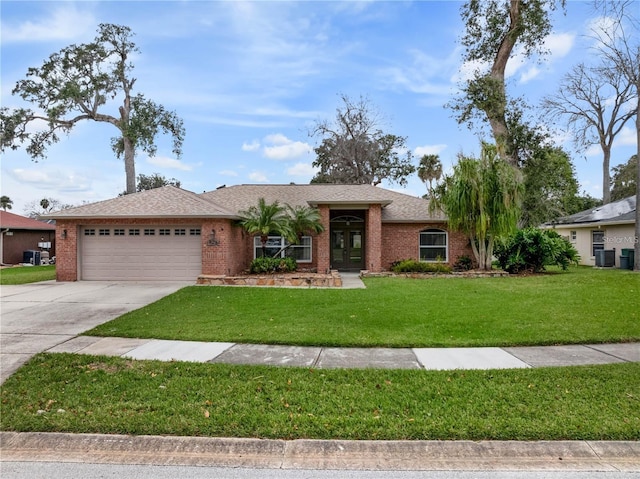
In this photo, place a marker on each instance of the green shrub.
(413, 266)
(531, 249)
(463, 263)
(273, 265)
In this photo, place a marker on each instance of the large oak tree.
(355, 150)
(494, 31)
(85, 82)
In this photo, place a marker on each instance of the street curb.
(607, 456)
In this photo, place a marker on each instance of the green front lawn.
(89, 394)
(27, 274)
(584, 305)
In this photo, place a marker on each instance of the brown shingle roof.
(397, 207)
(167, 201)
(227, 202)
(17, 222)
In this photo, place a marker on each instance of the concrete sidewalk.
(382, 358)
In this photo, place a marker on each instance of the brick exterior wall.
(402, 241)
(323, 241)
(229, 251)
(67, 250)
(373, 238)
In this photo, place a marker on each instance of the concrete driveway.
(36, 317)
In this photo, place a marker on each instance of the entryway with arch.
(347, 233)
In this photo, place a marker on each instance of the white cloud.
(429, 150)
(58, 180)
(228, 173)
(559, 44)
(66, 22)
(285, 149)
(593, 150)
(530, 74)
(277, 139)
(171, 163)
(253, 146)
(302, 169)
(627, 136)
(258, 177)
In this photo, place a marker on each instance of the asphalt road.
(48, 470)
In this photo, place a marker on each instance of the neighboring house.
(170, 233)
(19, 234)
(610, 227)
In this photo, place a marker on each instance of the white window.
(597, 241)
(433, 245)
(276, 246)
(573, 235)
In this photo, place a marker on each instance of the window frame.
(282, 242)
(427, 247)
(599, 244)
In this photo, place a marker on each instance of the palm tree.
(430, 169)
(303, 219)
(265, 219)
(6, 203)
(481, 199)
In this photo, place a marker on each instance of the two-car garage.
(140, 252)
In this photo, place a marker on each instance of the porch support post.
(324, 240)
(373, 239)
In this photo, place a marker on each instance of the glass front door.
(347, 249)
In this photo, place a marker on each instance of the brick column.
(324, 240)
(215, 247)
(66, 251)
(373, 255)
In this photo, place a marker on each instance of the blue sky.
(249, 79)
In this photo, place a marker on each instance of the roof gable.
(396, 207)
(167, 201)
(17, 222)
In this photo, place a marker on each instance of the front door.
(347, 248)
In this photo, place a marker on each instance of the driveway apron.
(38, 316)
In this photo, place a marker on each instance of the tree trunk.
(636, 261)
(496, 112)
(129, 164)
(606, 175)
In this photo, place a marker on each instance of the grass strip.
(585, 305)
(27, 274)
(91, 394)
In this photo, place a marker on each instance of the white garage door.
(158, 253)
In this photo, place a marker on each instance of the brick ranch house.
(169, 233)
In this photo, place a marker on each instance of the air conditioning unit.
(606, 258)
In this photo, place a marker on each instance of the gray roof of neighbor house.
(228, 202)
(622, 211)
(167, 201)
(396, 207)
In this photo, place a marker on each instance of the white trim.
(445, 246)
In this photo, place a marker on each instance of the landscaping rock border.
(285, 280)
(453, 274)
